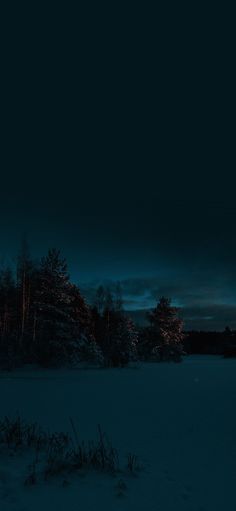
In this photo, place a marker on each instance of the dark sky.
(118, 146)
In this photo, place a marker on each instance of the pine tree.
(53, 309)
(167, 328)
(63, 328)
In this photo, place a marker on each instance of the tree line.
(211, 343)
(44, 319)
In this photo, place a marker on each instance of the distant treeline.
(211, 343)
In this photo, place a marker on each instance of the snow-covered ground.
(180, 420)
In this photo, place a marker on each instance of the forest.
(44, 319)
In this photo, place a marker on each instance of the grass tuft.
(60, 453)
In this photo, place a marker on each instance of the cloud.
(206, 300)
(212, 317)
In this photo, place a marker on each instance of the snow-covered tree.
(54, 324)
(63, 331)
(167, 330)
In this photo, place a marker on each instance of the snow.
(179, 419)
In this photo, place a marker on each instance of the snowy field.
(179, 419)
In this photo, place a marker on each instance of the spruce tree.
(167, 329)
(53, 309)
(63, 326)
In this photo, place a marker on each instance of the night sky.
(120, 151)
